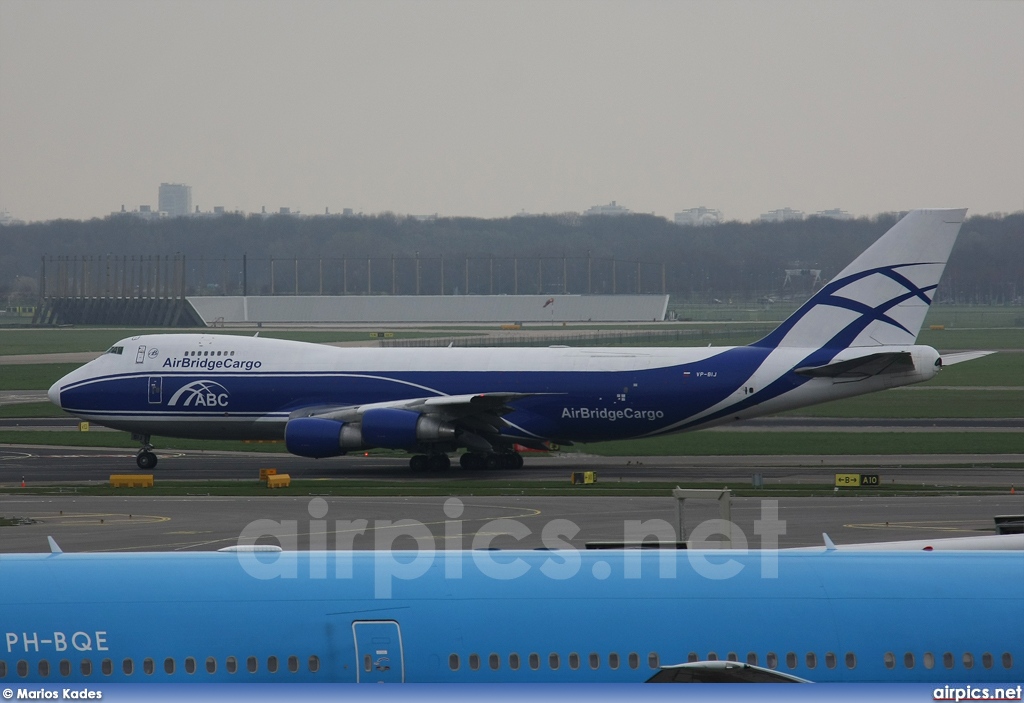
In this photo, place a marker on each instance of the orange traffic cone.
(1013, 491)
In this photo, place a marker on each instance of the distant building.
(835, 214)
(145, 212)
(782, 215)
(175, 199)
(698, 216)
(610, 209)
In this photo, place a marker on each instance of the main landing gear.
(145, 458)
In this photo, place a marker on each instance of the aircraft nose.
(54, 393)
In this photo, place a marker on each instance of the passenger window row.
(554, 661)
(209, 353)
(771, 660)
(169, 666)
(948, 660)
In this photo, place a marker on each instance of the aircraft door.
(156, 390)
(378, 651)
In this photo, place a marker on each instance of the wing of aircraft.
(443, 422)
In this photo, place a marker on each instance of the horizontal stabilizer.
(960, 357)
(862, 367)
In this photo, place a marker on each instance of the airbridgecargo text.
(610, 414)
(211, 364)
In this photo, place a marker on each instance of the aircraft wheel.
(418, 462)
(146, 460)
(439, 462)
(515, 461)
(494, 462)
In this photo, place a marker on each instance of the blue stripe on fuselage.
(577, 405)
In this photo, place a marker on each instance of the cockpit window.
(115, 350)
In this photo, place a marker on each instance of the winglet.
(54, 548)
(830, 546)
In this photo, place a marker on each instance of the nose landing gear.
(145, 459)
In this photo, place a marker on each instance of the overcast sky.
(490, 108)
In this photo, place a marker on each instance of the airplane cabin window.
(634, 660)
(890, 660)
(211, 665)
(231, 664)
(3, 669)
(553, 662)
(812, 660)
(851, 660)
(752, 658)
(65, 668)
(534, 661)
(513, 661)
(947, 660)
(44, 667)
(595, 660)
(128, 667)
(293, 664)
(453, 662)
(494, 661)
(169, 665)
(148, 666)
(574, 660)
(86, 667)
(613, 660)
(190, 665)
(731, 656)
(253, 665)
(474, 661)
(272, 664)
(712, 657)
(314, 663)
(908, 660)
(692, 657)
(652, 660)
(830, 660)
(1007, 660)
(968, 660)
(22, 668)
(791, 660)
(928, 660)
(772, 660)
(107, 667)
(986, 660)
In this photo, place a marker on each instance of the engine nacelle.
(401, 429)
(314, 437)
(390, 428)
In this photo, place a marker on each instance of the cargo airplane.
(856, 335)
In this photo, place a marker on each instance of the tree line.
(539, 254)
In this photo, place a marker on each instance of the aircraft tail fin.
(883, 296)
